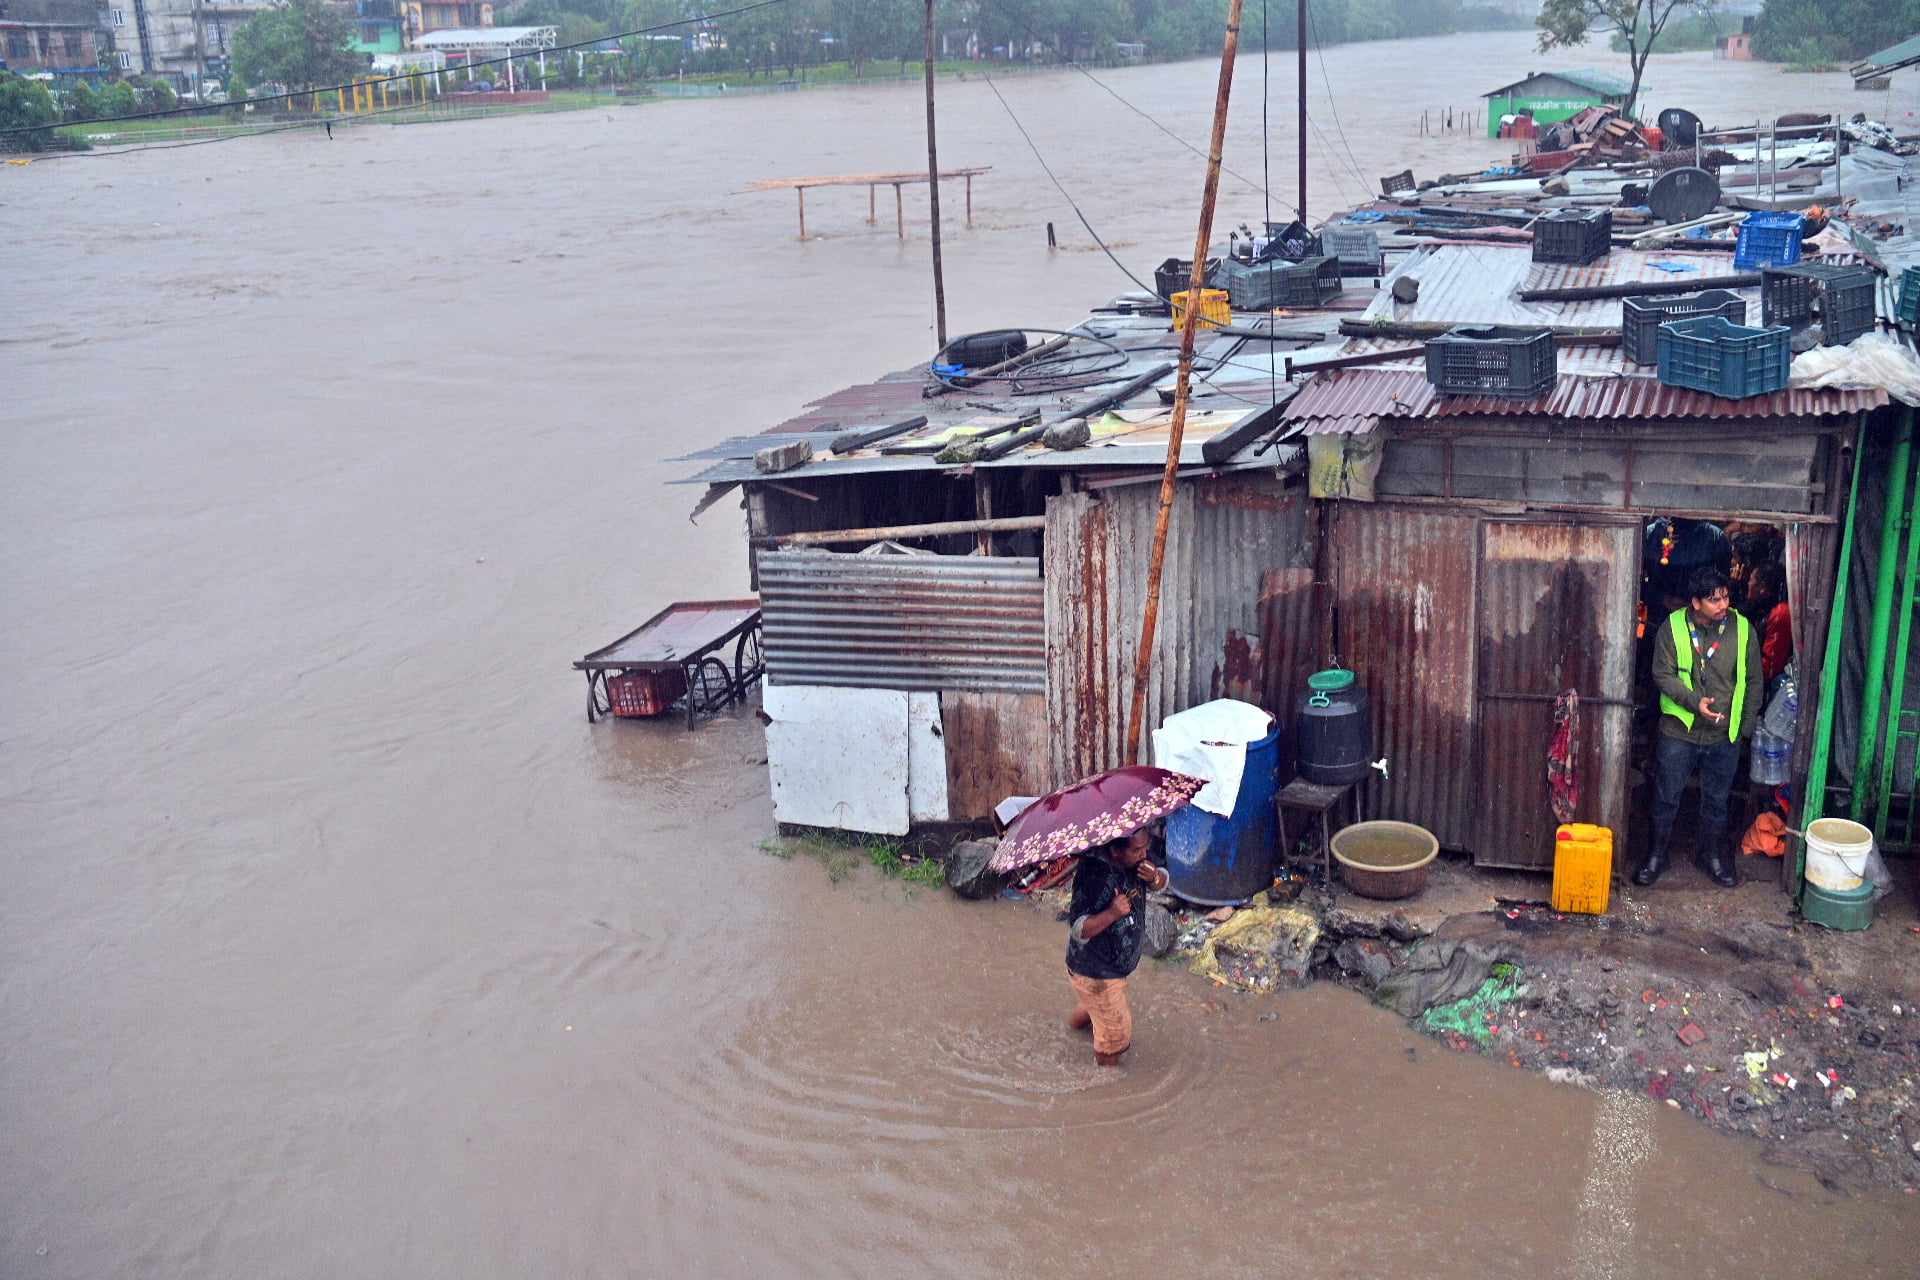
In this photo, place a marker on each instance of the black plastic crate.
(1641, 318)
(1843, 297)
(1508, 361)
(1263, 286)
(1573, 236)
(1176, 274)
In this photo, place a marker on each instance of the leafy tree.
(120, 100)
(1806, 31)
(1565, 23)
(307, 43)
(25, 104)
(156, 95)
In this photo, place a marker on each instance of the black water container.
(1332, 735)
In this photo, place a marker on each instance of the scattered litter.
(1690, 1035)
(1835, 1002)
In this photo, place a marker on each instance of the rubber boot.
(1652, 869)
(1718, 866)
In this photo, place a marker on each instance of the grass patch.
(841, 857)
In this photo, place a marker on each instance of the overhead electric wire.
(1320, 53)
(1150, 119)
(337, 88)
(1061, 187)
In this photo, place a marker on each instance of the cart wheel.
(708, 690)
(748, 665)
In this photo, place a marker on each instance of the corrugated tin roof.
(1600, 82)
(1908, 48)
(1360, 395)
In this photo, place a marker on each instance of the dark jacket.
(1713, 677)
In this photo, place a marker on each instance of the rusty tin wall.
(1556, 612)
(1225, 535)
(1404, 580)
(904, 622)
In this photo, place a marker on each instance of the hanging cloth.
(1563, 781)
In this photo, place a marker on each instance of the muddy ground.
(1724, 1005)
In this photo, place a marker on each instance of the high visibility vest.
(1683, 667)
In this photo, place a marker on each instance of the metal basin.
(1385, 859)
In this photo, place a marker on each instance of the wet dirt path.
(335, 942)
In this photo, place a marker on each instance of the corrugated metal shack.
(1470, 558)
(998, 652)
(1495, 560)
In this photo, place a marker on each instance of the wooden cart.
(678, 659)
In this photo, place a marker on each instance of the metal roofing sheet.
(1479, 283)
(1350, 394)
(1600, 82)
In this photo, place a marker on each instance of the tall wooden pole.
(1301, 129)
(933, 196)
(1150, 618)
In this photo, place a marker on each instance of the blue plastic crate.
(1768, 240)
(1715, 355)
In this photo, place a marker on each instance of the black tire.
(980, 350)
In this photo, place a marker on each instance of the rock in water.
(966, 868)
(1161, 931)
(1356, 958)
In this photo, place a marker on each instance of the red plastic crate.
(638, 694)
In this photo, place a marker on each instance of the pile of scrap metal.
(1598, 133)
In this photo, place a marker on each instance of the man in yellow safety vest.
(1706, 664)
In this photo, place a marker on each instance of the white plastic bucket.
(1837, 852)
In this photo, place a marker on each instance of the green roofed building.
(1550, 96)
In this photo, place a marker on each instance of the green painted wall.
(1544, 110)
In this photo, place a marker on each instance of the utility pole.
(1150, 616)
(933, 196)
(1301, 8)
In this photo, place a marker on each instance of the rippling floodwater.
(335, 942)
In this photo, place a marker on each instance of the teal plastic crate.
(1909, 304)
(1714, 355)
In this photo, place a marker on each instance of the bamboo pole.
(883, 533)
(1149, 621)
(1872, 695)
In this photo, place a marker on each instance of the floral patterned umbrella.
(1090, 813)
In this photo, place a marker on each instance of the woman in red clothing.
(1767, 606)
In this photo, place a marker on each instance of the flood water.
(334, 942)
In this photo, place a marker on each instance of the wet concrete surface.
(335, 942)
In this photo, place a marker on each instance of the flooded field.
(335, 942)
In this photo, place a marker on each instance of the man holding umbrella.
(1108, 912)
(1108, 822)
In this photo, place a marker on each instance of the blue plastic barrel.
(1224, 861)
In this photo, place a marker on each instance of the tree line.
(1832, 31)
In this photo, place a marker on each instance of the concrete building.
(61, 37)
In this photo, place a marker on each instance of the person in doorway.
(1706, 666)
(1108, 911)
(1767, 606)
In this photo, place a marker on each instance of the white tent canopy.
(494, 40)
(478, 44)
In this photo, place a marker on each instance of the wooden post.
(871, 216)
(1156, 563)
(983, 508)
(802, 193)
(933, 203)
(1301, 37)
(969, 200)
(899, 213)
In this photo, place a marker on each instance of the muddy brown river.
(334, 942)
